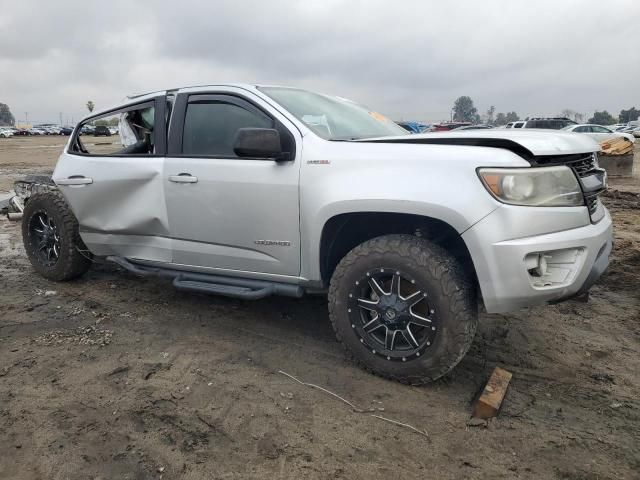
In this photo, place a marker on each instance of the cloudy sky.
(408, 59)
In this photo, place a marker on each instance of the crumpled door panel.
(123, 209)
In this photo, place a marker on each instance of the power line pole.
(60, 114)
(26, 117)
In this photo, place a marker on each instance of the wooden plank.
(488, 404)
(616, 146)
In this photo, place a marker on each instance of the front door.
(228, 213)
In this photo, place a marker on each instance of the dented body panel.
(123, 211)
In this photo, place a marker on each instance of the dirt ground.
(113, 377)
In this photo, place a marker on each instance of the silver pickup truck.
(249, 191)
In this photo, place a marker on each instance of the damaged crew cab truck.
(248, 191)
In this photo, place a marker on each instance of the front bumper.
(504, 244)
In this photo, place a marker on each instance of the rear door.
(114, 184)
(228, 213)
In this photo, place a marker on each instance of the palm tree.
(90, 106)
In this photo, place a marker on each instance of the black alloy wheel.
(45, 239)
(391, 314)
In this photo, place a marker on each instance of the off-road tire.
(450, 290)
(70, 263)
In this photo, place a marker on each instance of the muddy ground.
(113, 377)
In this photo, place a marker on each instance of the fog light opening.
(541, 267)
(553, 268)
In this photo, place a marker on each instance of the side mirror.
(258, 143)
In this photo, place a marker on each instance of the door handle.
(183, 178)
(75, 180)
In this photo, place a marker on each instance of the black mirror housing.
(258, 143)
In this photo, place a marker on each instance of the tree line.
(464, 111)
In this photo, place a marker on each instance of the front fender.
(444, 186)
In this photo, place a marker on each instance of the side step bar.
(242, 288)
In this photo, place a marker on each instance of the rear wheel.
(51, 239)
(403, 308)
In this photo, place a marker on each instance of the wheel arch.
(343, 232)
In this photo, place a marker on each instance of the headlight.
(544, 187)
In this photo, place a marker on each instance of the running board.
(232, 291)
(242, 288)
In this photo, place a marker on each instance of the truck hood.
(527, 143)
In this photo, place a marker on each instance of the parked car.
(473, 127)
(101, 131)
(446, 126)
(66, 131)
(36, 131)
(113, 130)
(598, 132)
(87, 129)
(45, 129)
(413, 127)
(401, 242)
(21, 132)
(551, 123)
(518, 124)
(628, 129)
(5, 132)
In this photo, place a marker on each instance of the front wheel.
(403, 308)
(51, 239)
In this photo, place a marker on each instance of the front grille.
(584, 164)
